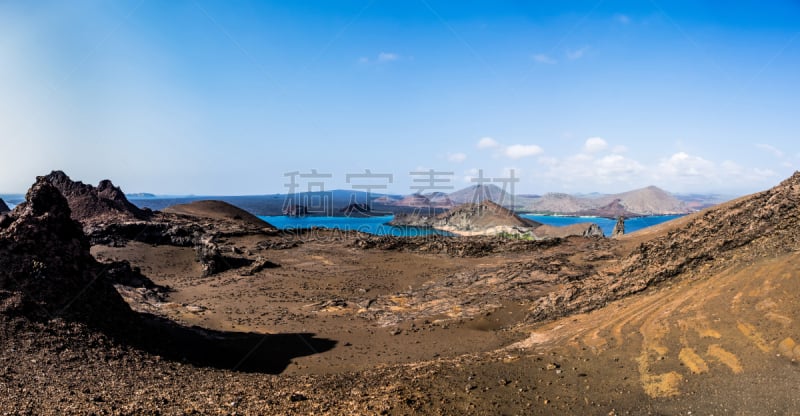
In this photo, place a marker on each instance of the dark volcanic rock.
(89, 204)
(200, 224)
(472, 246)
(583, 229)
(209, 256)
(46, 270)
(3, 207)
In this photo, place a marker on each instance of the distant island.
(649, 201)
(140, 195)
(489, 218)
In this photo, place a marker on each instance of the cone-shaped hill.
(218, 210)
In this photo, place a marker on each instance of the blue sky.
(212, 97)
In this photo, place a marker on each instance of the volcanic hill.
(218, 210)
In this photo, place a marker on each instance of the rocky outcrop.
(90, 204)
(583, 229)
(410, 219)
(109, 218)
(200, 224)
(46, 270)
(472, 246)
(209, 255)
(486, 218)
(619, 227)
(3, 207)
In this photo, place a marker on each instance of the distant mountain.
(640, 202)
(435, 200)
(646, 201)
(559, 203)
(479, 193)
(651, 201)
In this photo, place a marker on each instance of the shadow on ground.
(237, 351)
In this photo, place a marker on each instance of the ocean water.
(377, 225)
(607, 225)
(371, 225)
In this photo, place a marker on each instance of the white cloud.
(594, 145)
(470, 174)
(682, 164)
(487, 143)
(518, 151)
(381, 58)
(602, 166)
(621, 18)
(577, 53)
(730, 170)
(388, 57)
(548, 161)
(771, 149)
(544, 59)
(456, 157)
(589, 171)
(612, 166)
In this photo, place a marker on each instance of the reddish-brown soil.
(698, 315)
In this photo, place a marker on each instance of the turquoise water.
(377, 225)
(607, 225)
(371, 225)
